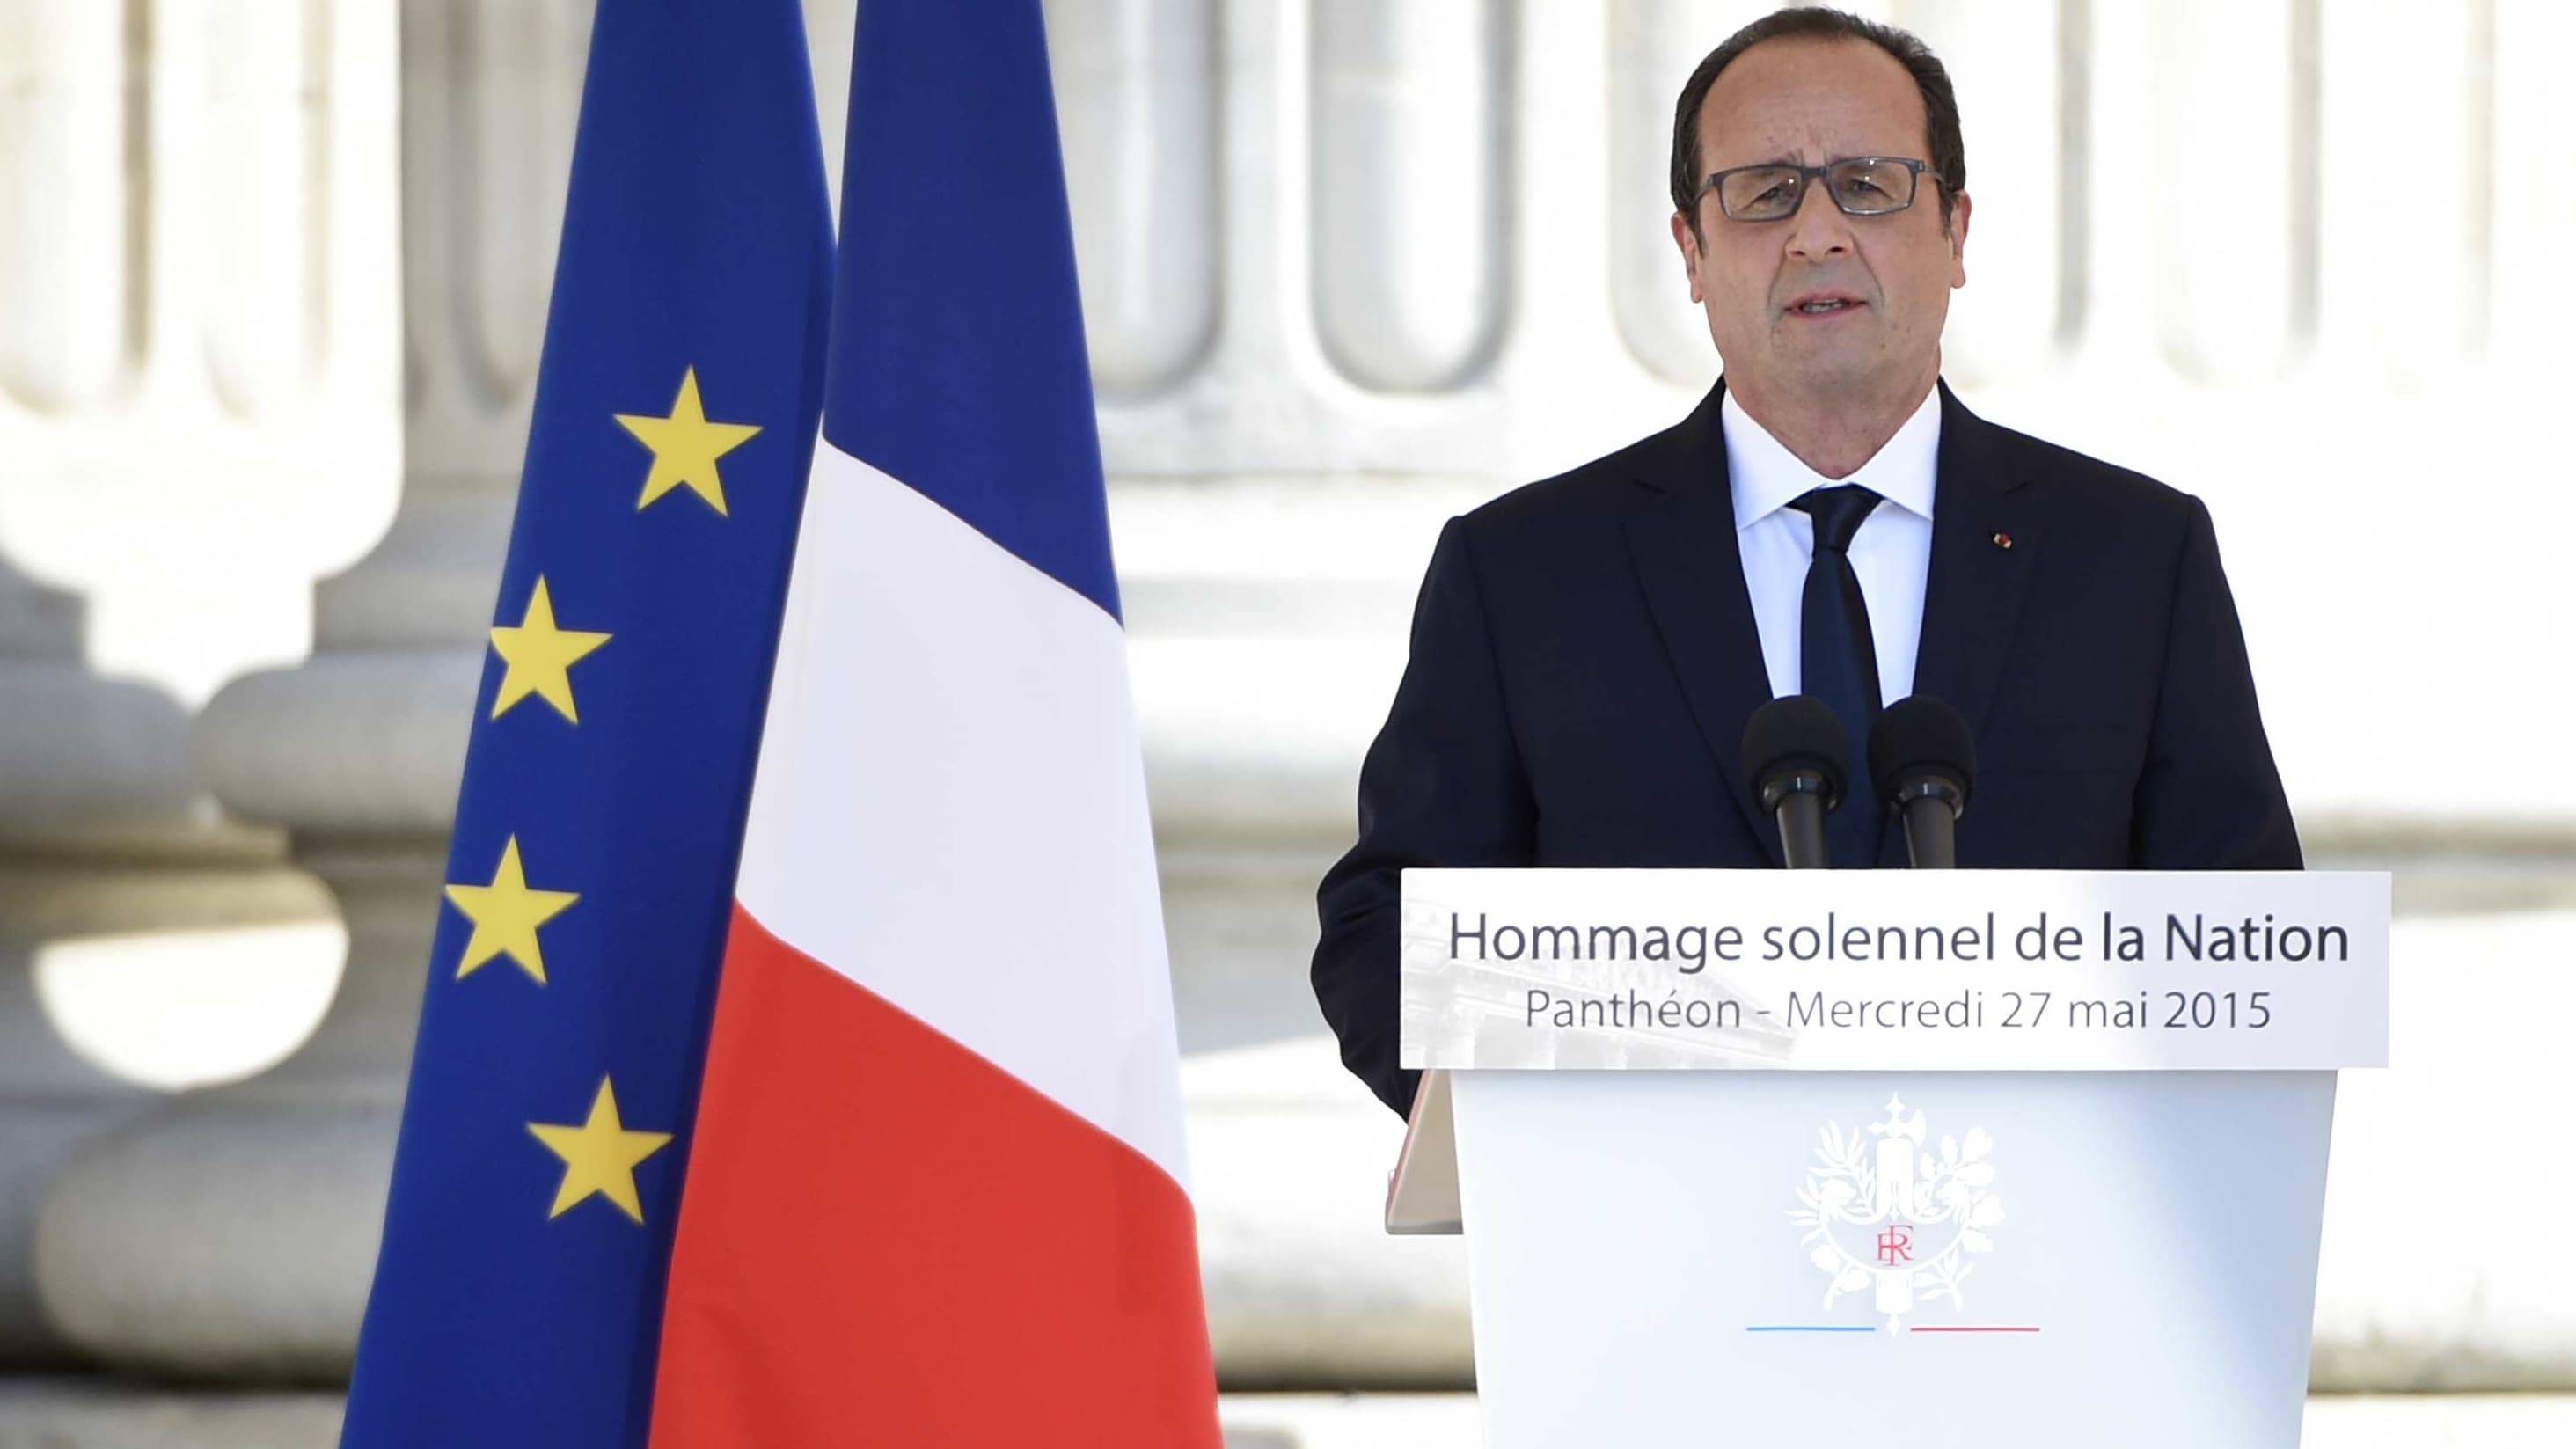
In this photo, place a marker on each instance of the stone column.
(235, 1233)
(101, 834)
(148, 418)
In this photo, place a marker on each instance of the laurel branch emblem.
(1890, 1216)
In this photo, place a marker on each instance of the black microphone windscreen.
(1919, 736)
(1799, 732)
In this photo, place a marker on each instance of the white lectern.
(1878, 1170)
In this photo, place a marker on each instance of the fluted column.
(57, 783)
(148, 404)
(236, 1232)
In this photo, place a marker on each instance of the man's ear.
(1959, 208)
(1688, 241)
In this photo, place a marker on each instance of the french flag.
(936, 1194)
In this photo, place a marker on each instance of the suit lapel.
(1985, 547)
(1682, 539)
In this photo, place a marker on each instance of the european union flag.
(518, 1293)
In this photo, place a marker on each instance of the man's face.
(1809, 102)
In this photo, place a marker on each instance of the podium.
(1853, 1201)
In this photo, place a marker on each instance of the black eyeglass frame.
(1914, 168)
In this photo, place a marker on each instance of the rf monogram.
(1896, 1244)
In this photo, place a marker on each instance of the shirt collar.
(1763, 476)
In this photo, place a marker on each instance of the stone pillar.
(154, 379)
(234, 1234)
(82, 763)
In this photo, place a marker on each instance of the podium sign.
(1980, 1158)
(1895, 970)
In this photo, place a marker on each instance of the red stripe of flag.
(896, 1242)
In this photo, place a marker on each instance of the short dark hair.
(1949, 158)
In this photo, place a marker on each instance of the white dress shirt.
(1892, 552)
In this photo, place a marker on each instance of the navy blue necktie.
(1838, 662)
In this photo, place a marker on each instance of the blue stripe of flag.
(958, 365)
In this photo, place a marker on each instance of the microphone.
(1798, 761)
(1923, 756)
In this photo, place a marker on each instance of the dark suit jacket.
(1584, 661)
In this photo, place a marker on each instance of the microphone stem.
(1802, 833)
(1798, 804)
(1932, 833)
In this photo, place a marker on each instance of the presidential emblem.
(1883, 1212)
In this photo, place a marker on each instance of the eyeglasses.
(1859, 185)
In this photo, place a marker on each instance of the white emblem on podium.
(1896, 1218)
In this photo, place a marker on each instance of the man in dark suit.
(1830, 520)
